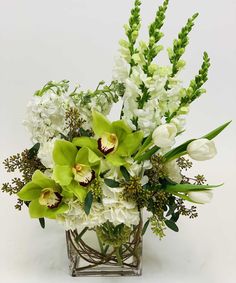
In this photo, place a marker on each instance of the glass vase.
(90, 256)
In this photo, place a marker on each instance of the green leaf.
(147, 154)
(100, 124)
(63, 174)
(171, 224)
(125, 173)
(111, 183)
(64, 153)
(189, 188)
(42, 222)
(88, 202)
(34, 150)
(42, 180)
(29, 192)
(145, 226)
(216, 132)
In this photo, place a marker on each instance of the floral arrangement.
(87, 172)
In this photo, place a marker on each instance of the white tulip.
(164, 135)
(201, 149)
(173, 171)
(201, 197)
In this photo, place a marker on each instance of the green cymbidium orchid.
(45, 196)
(115, 141)
(74, 169)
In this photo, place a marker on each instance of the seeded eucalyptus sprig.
(195, 88)
(155, 35)
(179, 46)
(132, 29)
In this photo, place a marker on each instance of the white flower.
(164, 135)
(201, 197)
(201, 149)
(121, 69)
(45, 153)
(173, 171)
(45, 118)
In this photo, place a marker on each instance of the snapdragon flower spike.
(114, 141)
(74, 169)
(45, 196)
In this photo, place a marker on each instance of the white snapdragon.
(202, 149)
(164, 135)
(201, 197)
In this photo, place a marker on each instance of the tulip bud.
(164, 135)
(201, 196)
(201, 149)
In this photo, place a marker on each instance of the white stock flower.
(164, 135)
(121, 69)
(173, 171)
(202, 149)
(45, 117)
(201, 197)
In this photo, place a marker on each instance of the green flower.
(45, 196)
(74, 169)
(115, 141)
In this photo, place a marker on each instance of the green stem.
(100, 244)
(118, 256)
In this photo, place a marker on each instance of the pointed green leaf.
(88, 202)
(34, 150)
(42, 180)
(64, 153)
(29, 192)
(145, 226)
(111, 183)
(125, 173)
(171, 224)
(63, 175)
(100, 124)
(216, 132)
(189, 187)
(42, 222)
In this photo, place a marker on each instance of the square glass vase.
(89, 256)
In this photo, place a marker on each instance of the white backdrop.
(77, 40)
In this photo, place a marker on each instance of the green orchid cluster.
(77, 164)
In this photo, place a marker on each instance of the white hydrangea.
(45, 118)
(113, 208)
(45, 153)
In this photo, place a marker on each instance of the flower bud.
(164, 135)
(201, 196)
(201, 149)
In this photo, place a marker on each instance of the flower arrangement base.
(88, 259)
